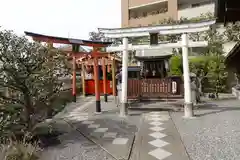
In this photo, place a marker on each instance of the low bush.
(12, 124)
(176, 67)
(19, 150)
(61, 101)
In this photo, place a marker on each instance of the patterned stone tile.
(120, 141)
(94, 126)
(101, 130)
(78, 113)
(76, 118)
(156, 123)
(110, 135)
(156, 128)
(154, 119)
(154, 115)
(87, 122)
(160, 154)
(158, 143)
(157, 135)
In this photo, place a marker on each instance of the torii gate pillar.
(123, 109)
(188, 105)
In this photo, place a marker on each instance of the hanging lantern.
(154, 73)
(108, 68)
(146, 72)
(166, 63)
(91, 71)
(88, 69)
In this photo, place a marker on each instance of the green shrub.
(176, 67)
(61, 101)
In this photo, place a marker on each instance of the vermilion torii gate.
(76, 43)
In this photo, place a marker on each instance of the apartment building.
(137, 13)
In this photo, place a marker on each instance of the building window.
(145, 14)
(133, 15)
(201, 4)
(195, 5)
(147, 11)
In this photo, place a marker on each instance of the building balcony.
(148, 20)
(196, 11)
(142, 3)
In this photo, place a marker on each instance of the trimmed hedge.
(176, 68)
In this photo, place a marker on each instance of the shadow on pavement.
(212, 108)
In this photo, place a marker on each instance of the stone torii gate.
(153, 32)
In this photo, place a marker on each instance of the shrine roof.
(133, 68)
(233, 54)
(68, 48)
(63, 40)
(152, 58)
(153, 54)
(233, 58)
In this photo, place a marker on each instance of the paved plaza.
(147, 135)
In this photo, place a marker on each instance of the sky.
(66, 18)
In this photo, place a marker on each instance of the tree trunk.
(28, 111)
(49, 112)
(237, 77)
(200, 84)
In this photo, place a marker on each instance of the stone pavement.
(74, 146)
(158, 139)
(72, 108)
(115, 135)
(142, 135)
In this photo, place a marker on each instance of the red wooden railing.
(171, 87)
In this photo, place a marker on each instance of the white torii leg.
(123, 108)
(188, 105)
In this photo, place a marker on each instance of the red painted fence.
(90, 87)
(171, 87)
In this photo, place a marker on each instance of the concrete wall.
(125, 13)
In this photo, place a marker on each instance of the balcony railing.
(135, 15)
(196, 11)
(148, 20)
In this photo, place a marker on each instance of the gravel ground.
(214, 134)
(75, 147)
